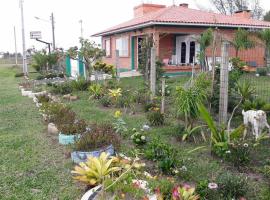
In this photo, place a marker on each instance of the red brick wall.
(166, 46)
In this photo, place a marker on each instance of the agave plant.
(95, 170)
(184, 193)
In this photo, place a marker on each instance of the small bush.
(167, 165)
(156, 118)
(80, 84)
(157, 150)
(105, 101)
(262, 71)
(43, 99)
(205, 192)
(40, 77)
(139, 138)
(164, 186)
(100, 136)
(64, 88)
(237, 63)
(96, 91)
(231, 186)
(20, 74)
(149, 106)
(239, 153)
(77, 127)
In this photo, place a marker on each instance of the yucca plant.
(190, 132)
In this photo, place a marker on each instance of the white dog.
(257, 119)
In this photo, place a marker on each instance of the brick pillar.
(156, 42)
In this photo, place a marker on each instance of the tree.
(205, 41)
(89, 51)
(265, 37)
(242, 41)
(228, 7)
(267, 16)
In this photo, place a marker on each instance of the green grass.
(32, 166)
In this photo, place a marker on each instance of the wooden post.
(163, 95)
(117, 65)
(224, 73)
(153, 73)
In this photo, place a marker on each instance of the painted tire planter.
(91, 194)
(80, 156)
(67, 139)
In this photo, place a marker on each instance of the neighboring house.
(175, 31)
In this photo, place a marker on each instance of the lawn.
(32, 165)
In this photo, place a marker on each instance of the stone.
(52, 129)
(67, 96)
(73, 98)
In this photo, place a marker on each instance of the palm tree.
(265, 37)
(205, 41)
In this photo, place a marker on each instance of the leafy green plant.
(155, 118)
(162, 187)
(232, 186)
(138, 137)
(239, 153)
(188, 97)
(207, 190)
(19, 74)
(237, 63)
(205, 41)
(158, 150)
(81, 84)
(254, 104)
(100, 136)
(43, 98)
(64, 88)
(119, 125)
(219, 137)
(191, 132)
(167, 165)
(96, 91)
(105, 101)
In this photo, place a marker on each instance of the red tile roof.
(177, 15)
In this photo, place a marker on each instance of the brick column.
(156, 42)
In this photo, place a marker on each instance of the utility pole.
(53, 33)
(81, 28)
(25, 69)
(15, 41)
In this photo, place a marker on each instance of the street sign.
(35, 34)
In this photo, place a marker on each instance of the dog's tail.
(243, 112)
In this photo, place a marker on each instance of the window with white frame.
(108, 47)
(122, 46)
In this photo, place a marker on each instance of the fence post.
(153, 73)
(117, 65)
(163, 95)
(224, 73)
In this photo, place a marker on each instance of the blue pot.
(80, 156)
(67, 139)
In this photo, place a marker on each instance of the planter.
(52, 129)
(67, 139)
(91, 194)
(26, 93)
(80, 156)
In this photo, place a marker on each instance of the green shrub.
(81, 84)
(239, 153)
(231, 186)
(266, 171)
(205, 192)
(155, 118)
(158, 150)
(96, 91)
(149, 106)
(105, 101)
(40, 77)
(237, 63)
(262, 71)
(64, 88)
(100, 136)
(256, 104)
(20, 74)
(43, 99)
(139, 138)
(167, 165)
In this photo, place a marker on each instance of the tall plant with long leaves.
(188, 97)
(242, 41)
(219, 138)
(205, 41)
(265, 37)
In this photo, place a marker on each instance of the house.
(175, 31)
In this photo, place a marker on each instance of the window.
(122, 46)
(108, 47)
(183, 52)
(192, 52)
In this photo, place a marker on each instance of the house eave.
(149, 24)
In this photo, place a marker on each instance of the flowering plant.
(120, 126)
(138, 138)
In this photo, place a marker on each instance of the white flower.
(212, 186)
(143, 137)
(175, 171)
(183, 168)
(228, 152)
(246, 145)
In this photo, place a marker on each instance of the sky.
(96, 15)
